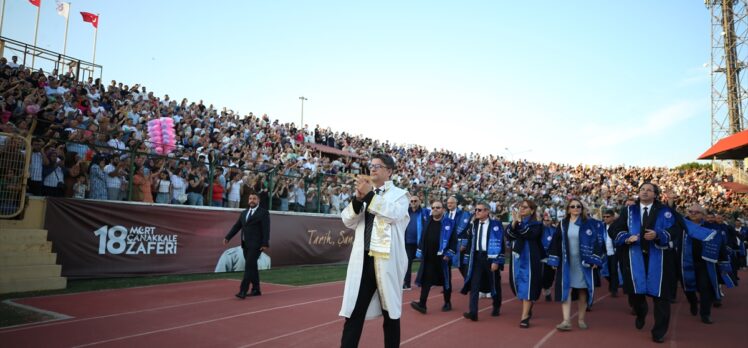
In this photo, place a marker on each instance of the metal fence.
(14, 162)
(38, 58)
(134, 175)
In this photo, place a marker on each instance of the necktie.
(249, 214)
(480, 237)
(377, 191)
(644, 242)
(645, 217)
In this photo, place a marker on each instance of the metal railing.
(48, 60)
(14, 161)
(292, 190)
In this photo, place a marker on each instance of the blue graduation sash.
(588, 237)
(446, 233)
(650, 281)
(548, 232)
(461, 222)
(493, 246)
(521, 263)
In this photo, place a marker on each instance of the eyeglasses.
(575, 206)
(378, 166)
(414, 201)
(478, 210)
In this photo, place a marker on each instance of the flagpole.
(96, 32)
(36, 32)
(67, 22)
(2, 17)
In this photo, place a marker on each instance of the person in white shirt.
(234, 190)
(609, 217)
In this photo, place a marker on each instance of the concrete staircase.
(27, 262)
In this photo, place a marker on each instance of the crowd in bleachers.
(91, 141)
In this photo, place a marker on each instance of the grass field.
(299, 275)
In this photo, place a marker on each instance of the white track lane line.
(310, 328)
(449, 323)
(206, 321)
(72, 321)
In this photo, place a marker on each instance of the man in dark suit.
(642, 234)
(254, 224)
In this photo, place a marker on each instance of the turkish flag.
(90, 18)
(36, 3)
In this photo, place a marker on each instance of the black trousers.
(613, 274)
(661, 312)
(706, 292)
(410, 249)
(482, 268)
(355, 324)
(251, 274)
(446, 290)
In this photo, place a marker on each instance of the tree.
(694, 166)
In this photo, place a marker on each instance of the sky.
(577, 81)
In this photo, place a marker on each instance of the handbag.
(182, 197)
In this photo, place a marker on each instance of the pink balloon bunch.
(161, 135)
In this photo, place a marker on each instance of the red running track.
(206, 314)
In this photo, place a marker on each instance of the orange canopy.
(732, 147)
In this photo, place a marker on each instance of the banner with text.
(109, 239)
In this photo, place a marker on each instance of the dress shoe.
(241, 295)
(447, 307)
(694, 309)
(255, 293)
(495, 312)
(471, 316)
(707, 320)
(418, 307)
(406, 288)
(658, 339)
(639, 322)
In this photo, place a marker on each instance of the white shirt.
(610, 250)
(483, 236)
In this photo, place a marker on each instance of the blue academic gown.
(591, 251)
(713, 253)
(655, 277)
(495, 252)
(447, 247)
(527, 254)
(462, 222)
(420, 218)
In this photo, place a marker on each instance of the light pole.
(510, 153)
(518, 153)
(302, 98)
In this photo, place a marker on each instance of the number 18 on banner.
(118, 240)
